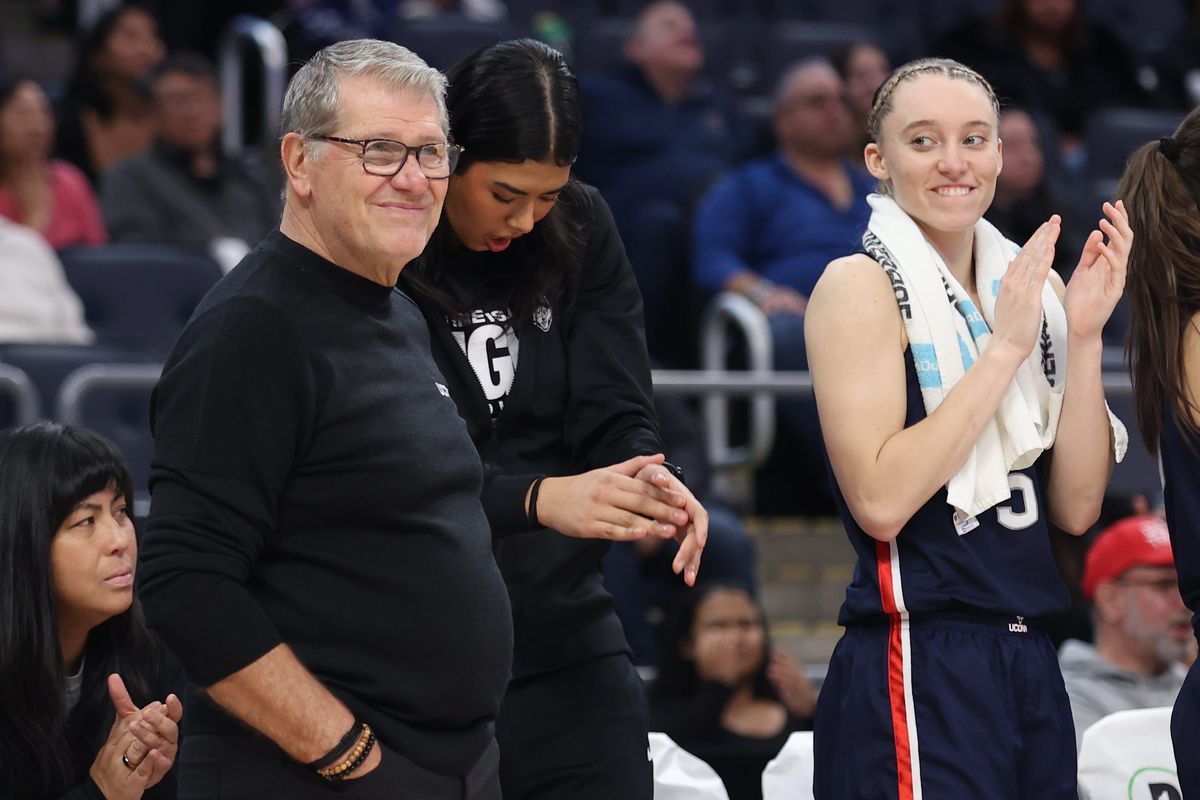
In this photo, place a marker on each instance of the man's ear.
(297, 163)
(1109, 602)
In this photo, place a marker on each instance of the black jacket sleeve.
(87, 790)
(610, 415)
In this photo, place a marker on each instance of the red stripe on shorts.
(895, 669)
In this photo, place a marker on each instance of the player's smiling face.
(493, 202)
(939, 151)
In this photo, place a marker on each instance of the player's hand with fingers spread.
(610, 503)
(692, 534)
(1099, 279)
(1019, 303)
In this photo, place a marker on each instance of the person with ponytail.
(536, 324)
(84, 713)
(1161, 189)
(960, 395)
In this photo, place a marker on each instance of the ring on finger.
(129, 765)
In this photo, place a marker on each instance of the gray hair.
(310, 107)
(778, 97)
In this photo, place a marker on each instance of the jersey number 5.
(1023, 497)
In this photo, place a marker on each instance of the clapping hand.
(141, 744)
(1099, 279)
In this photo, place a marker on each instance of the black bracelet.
(344, 775)
(534, 488)
(343, 745)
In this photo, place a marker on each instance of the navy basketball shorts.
(941, 707)
(1185, 734)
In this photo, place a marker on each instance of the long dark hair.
(677, 676)
(46, 469)
(510, 102)
(1161, 190)
(84, 86)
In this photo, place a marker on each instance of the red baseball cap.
(1132, 542)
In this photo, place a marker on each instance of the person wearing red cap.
(1143, 632)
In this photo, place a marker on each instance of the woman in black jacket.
(71, 633)
(536, 324)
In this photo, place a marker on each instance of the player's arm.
(1082, 459)
(856, 351)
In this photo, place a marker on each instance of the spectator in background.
(863, 67)
(36, 302)
(768, 229)
(1024, 199)
(657, 135)
(185, 190)
(1046, 55)
(105, 115)
(1143, 632)
(48, 195)
(73, 646)
(721, 692)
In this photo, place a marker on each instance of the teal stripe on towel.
(929, 375)
(966, 354)
(974, 319)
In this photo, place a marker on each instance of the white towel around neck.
(946, 333)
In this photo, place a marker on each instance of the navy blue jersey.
(1002, 566)
(1181, 473)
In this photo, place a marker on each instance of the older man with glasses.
(316, 553)
(1143, 631)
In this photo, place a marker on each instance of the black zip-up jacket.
(581, 399)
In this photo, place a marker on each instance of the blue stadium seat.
(1138, 473)
(19, 402)
(138, 297)
(785, 43)
(444, 41)
(113, 399)
(1112, 134)
(123, 415)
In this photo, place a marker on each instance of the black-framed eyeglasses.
(386, 157)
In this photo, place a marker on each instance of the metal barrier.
(17, 385)
(79, 384)
(729, 310)
(272, 53)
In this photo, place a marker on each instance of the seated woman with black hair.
(71, 632)
(721, 693)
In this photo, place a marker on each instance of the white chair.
(1129, 754)
(679, 775)
(789, 775)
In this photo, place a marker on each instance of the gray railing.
(16, 384)
(96, 377)
(271, 48)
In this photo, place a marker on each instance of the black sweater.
(312, 484)
(581, 399)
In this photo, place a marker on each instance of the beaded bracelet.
(354, 759)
